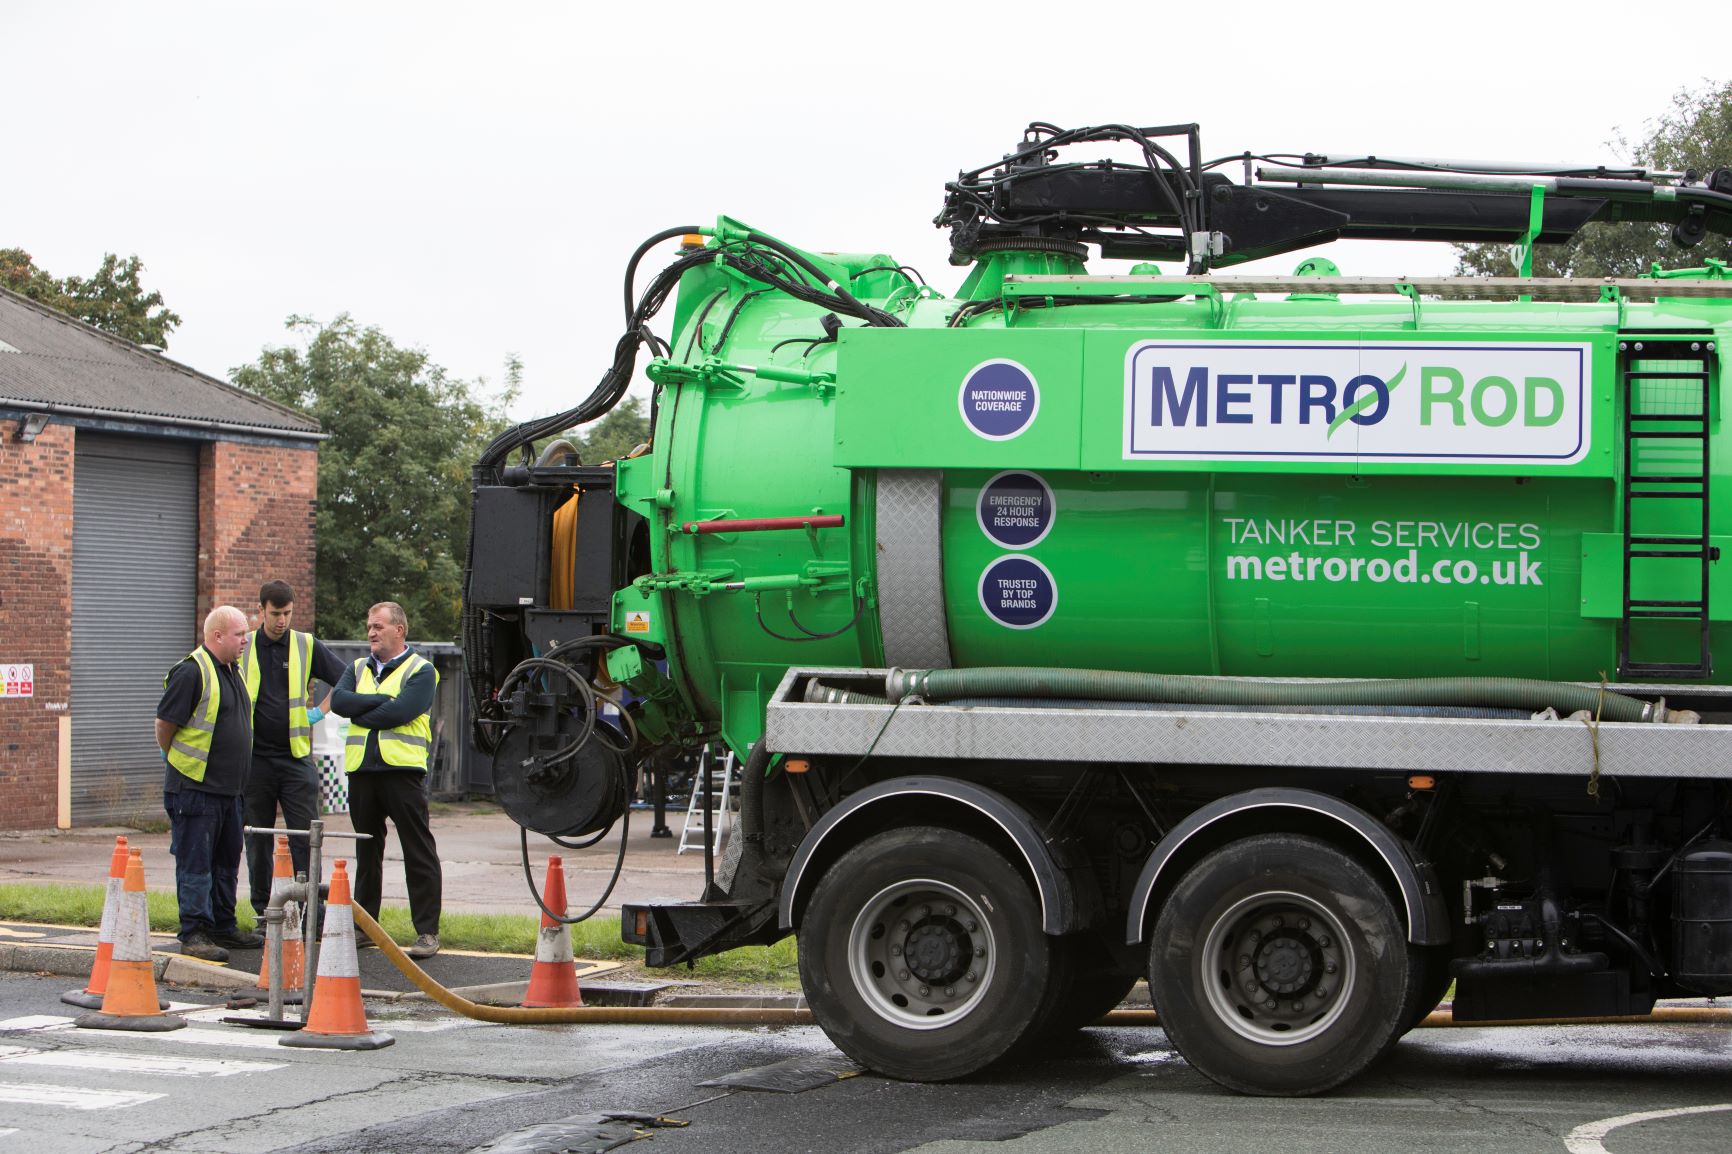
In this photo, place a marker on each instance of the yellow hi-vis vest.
(300, 660)
(189, 752)
(405, 746)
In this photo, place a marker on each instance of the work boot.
(198, 944)
(425, 946)
(661, 831)
(239, 939)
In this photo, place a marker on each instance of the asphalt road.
(453, 1085)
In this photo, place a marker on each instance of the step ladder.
(1667, 390)
(721, 792)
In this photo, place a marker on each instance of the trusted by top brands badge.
(1462, 403)
(999, 399)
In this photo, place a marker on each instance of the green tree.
(113, 300)
(393, 511)
(1695, 135)
(615, 435)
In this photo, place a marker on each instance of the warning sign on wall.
(17, 681)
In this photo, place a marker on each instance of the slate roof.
(50, 361)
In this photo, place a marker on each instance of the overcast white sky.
(471, 178)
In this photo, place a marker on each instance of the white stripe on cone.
(132, 929)
(337, 948)
(110, 907)
(554, 945)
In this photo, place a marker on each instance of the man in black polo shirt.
(204, 728)
(278, 666)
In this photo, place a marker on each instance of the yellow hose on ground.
(591, 1015)
(747, 1016)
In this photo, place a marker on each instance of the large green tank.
(1296, 484)
(1291, 476)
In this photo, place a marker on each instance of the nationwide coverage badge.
(999, 400)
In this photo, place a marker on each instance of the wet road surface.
(454, 1085)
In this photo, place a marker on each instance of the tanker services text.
(1519, 541)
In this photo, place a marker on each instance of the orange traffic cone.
(337, 1020)
(294, 955)
(553, 978)
(129, 1001)
(90, 997)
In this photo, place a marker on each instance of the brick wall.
(35, 617)
(256, 507)
(255, 524)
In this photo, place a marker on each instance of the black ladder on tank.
(1666, 460)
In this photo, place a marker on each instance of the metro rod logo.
(1275, 401)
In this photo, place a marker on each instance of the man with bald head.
(205, 729)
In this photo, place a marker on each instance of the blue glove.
(314, 713)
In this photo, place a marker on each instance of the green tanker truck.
(1303, 643)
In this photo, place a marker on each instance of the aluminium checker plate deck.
(1202, 737)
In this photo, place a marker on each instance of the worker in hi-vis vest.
(279, 665)
(388, 698)
(205, 731)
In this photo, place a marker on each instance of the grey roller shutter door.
(134, 603)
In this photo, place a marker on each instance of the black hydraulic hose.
(637, 258)
(617, 378)
(1114, 685)
(752, 793)
(583, 693)
(864, 311)
(618, 869)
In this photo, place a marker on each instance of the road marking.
(1585, 1139)
(420, 1025)
(9, 932)
(36, 1022)
(120, 1062)
(239, 1036)
(250, 1037)
(403, 1025)
(194, 1035)
(34, 1094)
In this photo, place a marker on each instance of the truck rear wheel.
(1429, 979)
(1086, 986)
(1279, 966)
(922, 954)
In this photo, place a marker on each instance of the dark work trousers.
(374, 796)
(205, 839)
(294, 782)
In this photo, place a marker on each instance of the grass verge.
(596, 939)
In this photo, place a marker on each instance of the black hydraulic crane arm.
(1166, 208)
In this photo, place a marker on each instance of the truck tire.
(1429, 980)
(1086, 986)
(1279, 966)
(922, 954)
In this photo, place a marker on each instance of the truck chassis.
(1300, 889)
